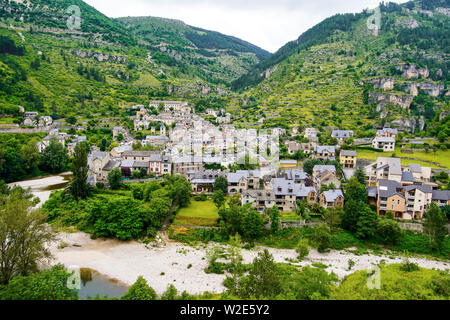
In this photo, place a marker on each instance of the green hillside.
(103, 66)
(210, 55)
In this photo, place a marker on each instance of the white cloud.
(266, 23)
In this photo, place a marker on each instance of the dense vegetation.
(20, 158)
(326, 78)
(128, 212)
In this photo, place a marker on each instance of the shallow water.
(95, 284)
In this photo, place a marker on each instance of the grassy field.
(441, 157)
(287, 216)
(199, 213)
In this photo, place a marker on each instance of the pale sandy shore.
(125, 261)
(40, 186)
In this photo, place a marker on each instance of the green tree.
(309, 165)
(310, 284)
(350, 216)
(333, 219)
(322, 236)
(170, 293)
(180, 190)
(54, 157)
(252, 225)
(263, 281)
(219, 198)
(302, 248)
(360, 175)
(221, 183)
(45, 285)
(30, 155)
(79, 187)
(366, 225)
(388, 230)
(274, 219)
(140, 291)
(119, 217)
(115, 179)
(355, 190)
(435, 226)
(24, 235)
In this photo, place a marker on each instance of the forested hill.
(343, 74)
(325, 31)
(216, 57)
(157, 31)
(316, 35)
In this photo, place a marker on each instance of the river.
(43, 186)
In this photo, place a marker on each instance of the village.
(184, 143)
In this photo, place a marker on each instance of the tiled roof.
(332, 195)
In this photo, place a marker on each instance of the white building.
(384, 143)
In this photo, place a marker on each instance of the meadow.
(199, 213)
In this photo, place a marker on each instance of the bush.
(302, 248)
(201, 197)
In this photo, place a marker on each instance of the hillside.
(103, 66)
(342, 74)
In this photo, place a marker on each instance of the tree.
(54, 157)
(79, 187)
(299, 155)
(388, 230)
(219, 198)
(118, 217)
(71, 120)
(354, 190)
(309, 165)
(274, 219)
(30, 155)
(24, 235)
(221, 183)
(435, 226)
(312, 284)
(302, 248)
(350, 216)
(46, 285)
(180, 190)
(252, 225)
(360, 175)
(322, 236)
(366, 225)
(115, 178)
(140, 291)
(333, 219)
(170, 293)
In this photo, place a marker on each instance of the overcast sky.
(268, 24)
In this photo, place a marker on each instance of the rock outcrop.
(384, 83)
(431, 89)
(409, 124)
(411, 71)
(402, 101)
(99, 56)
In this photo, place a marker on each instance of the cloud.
(266, 23)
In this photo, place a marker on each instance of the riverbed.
(42, 187)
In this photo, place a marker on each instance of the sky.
(269, 24)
